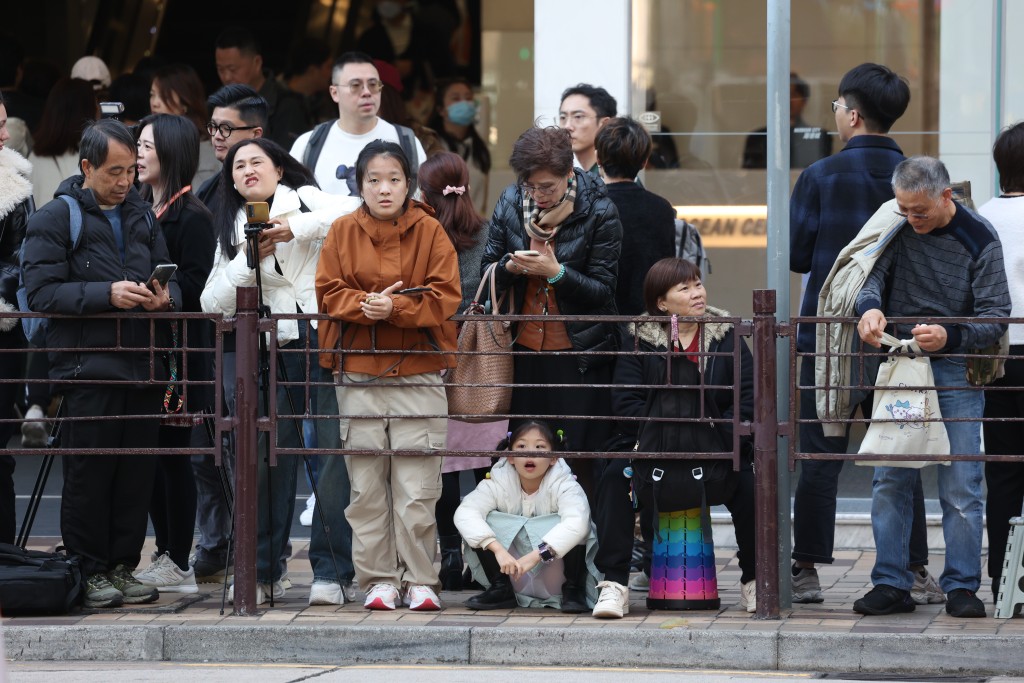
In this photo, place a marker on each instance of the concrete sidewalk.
(828, 637)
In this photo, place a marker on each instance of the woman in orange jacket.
(389, 278)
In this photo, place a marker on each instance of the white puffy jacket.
(558, 494)
(295, 284)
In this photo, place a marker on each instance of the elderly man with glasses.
(946, 262)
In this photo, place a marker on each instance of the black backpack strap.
(315, 144)
(407, 138)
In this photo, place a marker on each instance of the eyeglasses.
(576, 118)
(917, 216)
(356, 87)
(836, 104)
(545, 190)
(225, 129)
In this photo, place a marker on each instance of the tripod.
(252, 235)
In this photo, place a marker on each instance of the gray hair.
(96, 139)
(921, 174)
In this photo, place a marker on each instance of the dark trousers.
(11, 367)
(173, 505)
(105, 499)
(613, 517)
(451, 496)
(582, 398)
(814, 504)
(1005, 480)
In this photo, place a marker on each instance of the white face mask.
(389, 9)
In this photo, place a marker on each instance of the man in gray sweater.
(948, 264)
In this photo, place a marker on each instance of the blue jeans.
(959, 494)
(335, 494)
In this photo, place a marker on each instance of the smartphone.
(526, 252)
(414, 290)
(257, 212)
(111, 110)
(162, 274)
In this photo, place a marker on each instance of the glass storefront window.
(700, 65)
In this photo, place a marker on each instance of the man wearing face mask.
(454, 120)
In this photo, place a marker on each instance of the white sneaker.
(748, 596)
(326, 593)
(262, 591)
(167, 577)
(640, 583)
(926, 590)
(34, 432)
(613, 601)
(306, 516)
(381, 596)
(422, 599)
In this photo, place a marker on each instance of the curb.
(478, 645)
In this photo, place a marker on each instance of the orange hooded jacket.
(361, 255)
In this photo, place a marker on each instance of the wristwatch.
(546, 553)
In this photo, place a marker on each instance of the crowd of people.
(376, 224)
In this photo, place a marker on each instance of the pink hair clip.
(460, 190)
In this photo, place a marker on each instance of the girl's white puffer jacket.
(558, 494)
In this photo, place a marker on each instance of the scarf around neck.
(543, 224)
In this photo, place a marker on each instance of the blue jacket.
(832, 200)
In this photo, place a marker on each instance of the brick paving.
(842, 582)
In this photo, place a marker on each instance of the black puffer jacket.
(65, 282)
(588, 245)
(673, 401)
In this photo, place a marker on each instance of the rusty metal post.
(766, 456)
(246, 441)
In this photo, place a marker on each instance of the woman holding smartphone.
(556, 238)
(168, 152)
(389, 246)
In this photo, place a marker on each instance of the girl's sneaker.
(381, 596)
(422, 599)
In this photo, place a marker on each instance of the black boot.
(574, 590)
(500, 595)
(451, 563)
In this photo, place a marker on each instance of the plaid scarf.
(543, 224)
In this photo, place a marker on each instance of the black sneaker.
(964, 604)
(884, 599)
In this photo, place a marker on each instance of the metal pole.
(766, 456)
(246, 479)
(777, 85)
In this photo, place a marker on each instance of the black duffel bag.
(34, 582)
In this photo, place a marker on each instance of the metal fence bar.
(247, 457)
(766, 455)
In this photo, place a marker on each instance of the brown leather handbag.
(480, 386)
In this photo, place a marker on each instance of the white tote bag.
(908, 411)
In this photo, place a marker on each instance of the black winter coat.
(65, 282)
(588, 244)
(671, 401)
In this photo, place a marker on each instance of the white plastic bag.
(909, 410)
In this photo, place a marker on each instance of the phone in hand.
(162, 274)
(414, 290)
(527, 252)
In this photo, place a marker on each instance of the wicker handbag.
(484, 360)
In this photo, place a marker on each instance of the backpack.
(34, 582)
(406, 138)
(35, 328)
(690, 247)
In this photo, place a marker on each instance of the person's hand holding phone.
(126, 295)
(278, 230)
(540, 262)
(159, 299)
